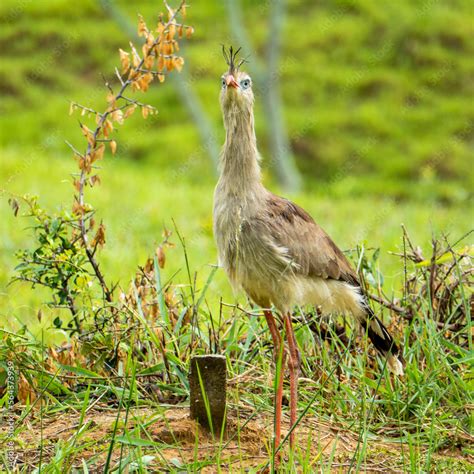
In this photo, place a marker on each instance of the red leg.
(277, 342)
(294, 366)
(272, 325)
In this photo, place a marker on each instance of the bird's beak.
(231, 82)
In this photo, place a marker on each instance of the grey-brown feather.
(311, 248)
(271, 247)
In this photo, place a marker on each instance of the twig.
(83, 177)
(387, 304)
(75, 150)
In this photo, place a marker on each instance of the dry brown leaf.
(150, 39)
(189, 31)
(107, 128)
(160, 28)
(171, 32)
(94, 180)
(149, 60)
(145, 81)
(117, 116)
(14, 205)
(145, 50)
(130, 110)
(160, 253)
(124, 60)
(98, 153)
(113, 146)
(77, 209)
(142, 29)
(160, 63)
(88, 134)
(99, 238)
(25, 390)
(178, 63)
(136, 84)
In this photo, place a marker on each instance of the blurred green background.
(377, 104)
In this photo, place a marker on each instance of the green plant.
(65, 259)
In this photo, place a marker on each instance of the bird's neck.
(239, 163)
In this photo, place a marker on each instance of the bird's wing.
(308, 246)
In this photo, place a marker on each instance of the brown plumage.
(311, 248)
(272, 248)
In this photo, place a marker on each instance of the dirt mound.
(168, 437)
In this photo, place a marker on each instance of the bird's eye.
(223, 83)
(245, 83)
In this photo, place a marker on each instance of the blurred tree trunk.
(267, 80)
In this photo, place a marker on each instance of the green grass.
(421, 422)
(135, 219)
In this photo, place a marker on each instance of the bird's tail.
(382, 340)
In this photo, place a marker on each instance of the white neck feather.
(239, 162)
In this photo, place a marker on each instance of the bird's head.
(236, 86)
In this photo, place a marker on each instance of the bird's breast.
(246, 250)
(229, 221)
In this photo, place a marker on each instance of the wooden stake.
(207, 386)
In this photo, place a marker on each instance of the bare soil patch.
(246, 443)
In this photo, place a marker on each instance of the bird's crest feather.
(230, 56)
